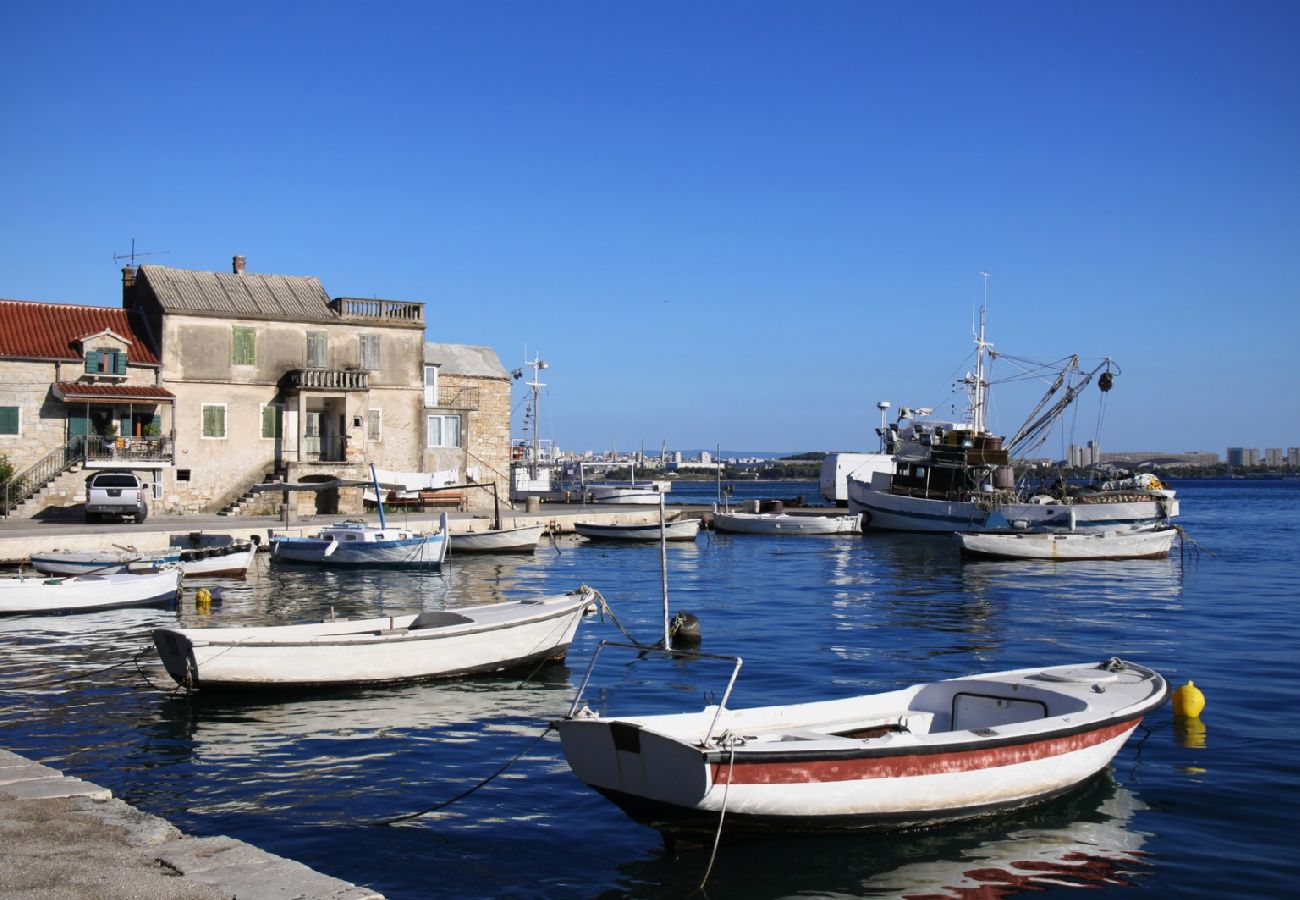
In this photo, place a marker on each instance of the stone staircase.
(253, 503)
(56, 498)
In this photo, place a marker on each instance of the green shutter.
(119, 358)
(92, 362)
(8, 420)
(242, 346)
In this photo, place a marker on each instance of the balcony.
(143, 452)
(454, 398)
(385, 310)
(327, 380)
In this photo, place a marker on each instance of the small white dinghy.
(214, 555)
(1146, 543)
(926, 754)
(679, 530)
(497, 540)
(345, 653)
(46, 595)
(101, 562)
(785, 523)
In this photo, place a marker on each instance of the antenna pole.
(977, 392)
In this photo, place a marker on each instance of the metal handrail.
(692, 654)
(56, 462)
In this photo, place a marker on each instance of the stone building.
(212, 382)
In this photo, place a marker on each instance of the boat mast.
(537, 364)
(979, 388)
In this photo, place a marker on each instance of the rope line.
(393, 820)
(722, 814)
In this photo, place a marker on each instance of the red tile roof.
(30, 330)
(75, 390)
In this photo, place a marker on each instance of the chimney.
(238, 264)
(128, 285)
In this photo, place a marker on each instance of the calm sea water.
(1204, 811)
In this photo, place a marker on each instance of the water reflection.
(1084, 841)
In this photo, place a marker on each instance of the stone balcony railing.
(328, 380)
(388, 310)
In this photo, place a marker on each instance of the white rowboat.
(86, 593)
(497, 540)
(929, 753)
(784, 523)
(338, 653)
(1129, 544)
(680, 530)
(101, 562)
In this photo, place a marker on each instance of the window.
(443, 431)
(106, 362)
(370, 351)
(317, 350)
(243, 349)
(272, 421)
(214, 420)
(374, 424)
(430, 385)
(10, 420)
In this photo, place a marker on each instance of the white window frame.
(428, 431)
(378, 433)
(19, 432)
(261, 421)
(430, 388)
(225, 422)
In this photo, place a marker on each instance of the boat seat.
(438, 619)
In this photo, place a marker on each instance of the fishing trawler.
(956, 476)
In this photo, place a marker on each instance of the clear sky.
(719, 222)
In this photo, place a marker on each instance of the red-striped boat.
(927, 754)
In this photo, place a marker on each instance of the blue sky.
(733, 222)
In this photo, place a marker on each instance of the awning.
(111, 393)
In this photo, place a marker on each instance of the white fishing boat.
(101, 562)
(47, 595)
(1150, 543)
(645, 494)
(497, 540)
(678, 530)
(930, 753)
(956, 476)
(341, 652)
(355, 543)
(784, 523)
(214, 555)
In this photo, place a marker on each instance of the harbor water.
(1204, 807)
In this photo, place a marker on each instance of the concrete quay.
(68, 839)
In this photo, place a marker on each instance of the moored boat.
(354, 543)
(85, 593)
(678, 530)
(497, 540)
(926, 754)
(101, 562)
(1150, 543)
(214, 555)
(784, 523)
(341, 652)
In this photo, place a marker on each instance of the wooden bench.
(425, 499)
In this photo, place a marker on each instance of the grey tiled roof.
(465, 359)
(299, 298)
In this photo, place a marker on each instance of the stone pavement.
(62, 838)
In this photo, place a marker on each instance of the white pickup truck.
(117, 494)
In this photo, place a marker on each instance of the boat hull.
(505, 540)
(425, 552)
(99, 562)
(87, 593)
(1150, 544)
(345, 653)
(779, 523)
(886, 511)
(798, 768)
(681, 530)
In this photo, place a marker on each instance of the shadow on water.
(1084, 840)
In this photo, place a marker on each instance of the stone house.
(213, 382)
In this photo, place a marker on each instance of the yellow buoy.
(203, 600)
(1188, 701)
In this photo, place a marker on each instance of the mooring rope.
(77, 676)
(722, 814)
(393, 820)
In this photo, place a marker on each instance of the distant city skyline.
(727, 224)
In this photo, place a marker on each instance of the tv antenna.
(118, 257)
